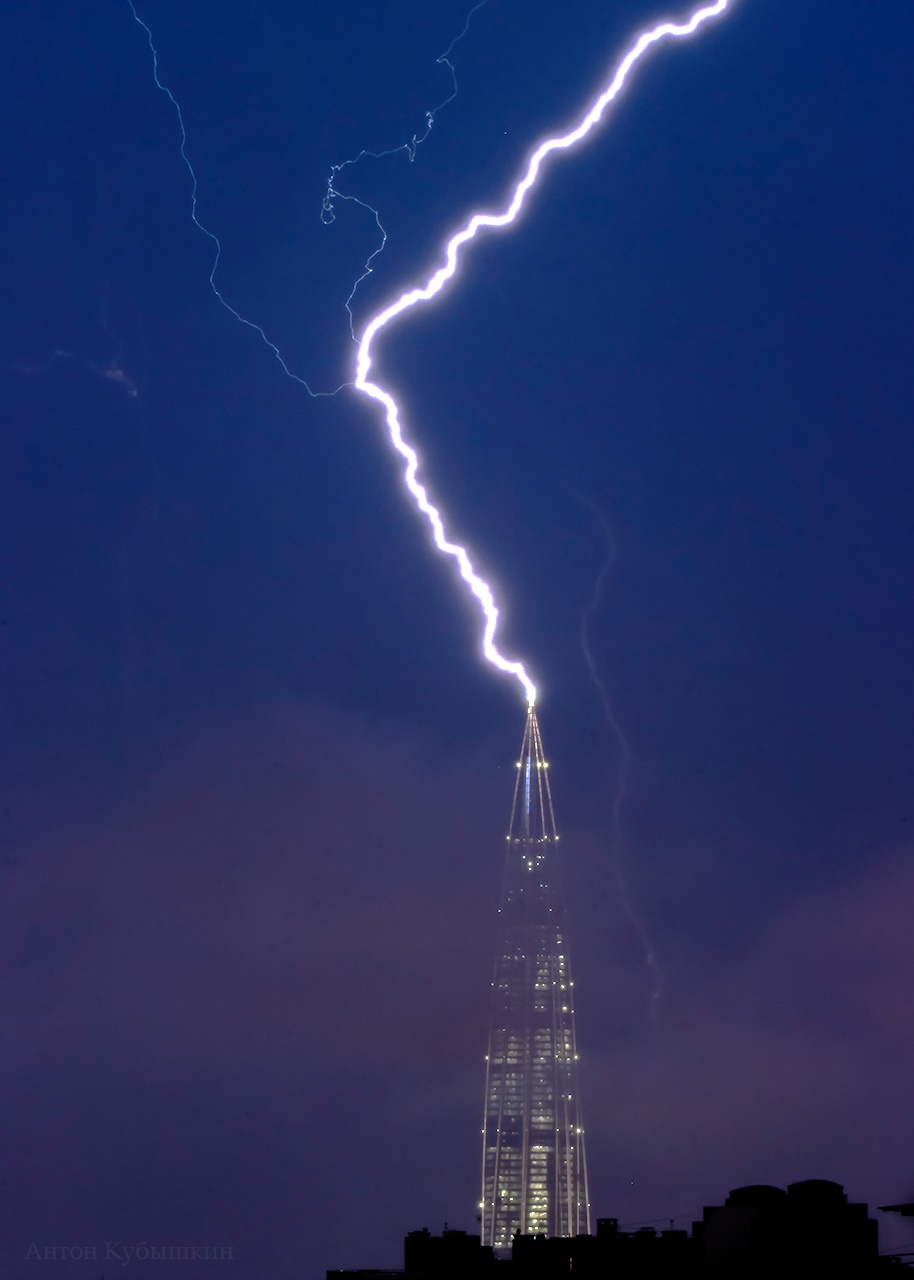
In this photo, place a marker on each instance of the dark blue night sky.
(254, 777)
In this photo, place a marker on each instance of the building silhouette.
(534, 1174)
(810, 1229)
(808, 1232)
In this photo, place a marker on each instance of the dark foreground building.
(808, 1232)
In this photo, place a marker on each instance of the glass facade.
(534, 1176)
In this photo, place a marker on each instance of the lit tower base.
(534, 1174)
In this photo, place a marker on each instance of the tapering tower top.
(532, 817)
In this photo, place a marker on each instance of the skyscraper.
(534, 1174)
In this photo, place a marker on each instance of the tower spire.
(534, 1175)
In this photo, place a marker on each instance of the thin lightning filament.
(424, 293)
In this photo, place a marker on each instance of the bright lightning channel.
(424, 293)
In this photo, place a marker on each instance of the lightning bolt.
(328, 212)
(409, 149)
(211, 235)
(479, 588)
(332, 194)
(617, 841)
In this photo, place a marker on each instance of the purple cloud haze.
(250, 1008)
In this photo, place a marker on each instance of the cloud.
(285, 935)
(253, 997)
(791, 1060)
